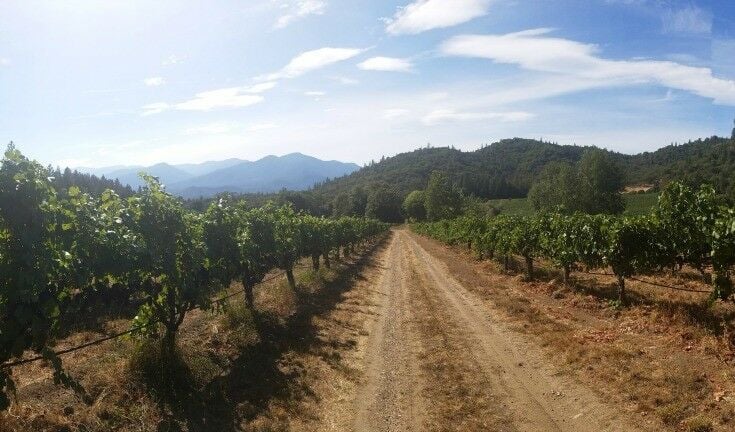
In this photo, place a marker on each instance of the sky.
(136, 82)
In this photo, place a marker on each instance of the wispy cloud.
(312, 60)
(314, 93)
(534, 50)
(154, 81)
(441, 116)
(300, 9)
(260, 87)
(386, 64)
(232, 97)
(423, 15)
(690, 19)
(155, 108)
(4, 61)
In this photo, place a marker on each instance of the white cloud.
(233, 97)
(154, 81)
(578, 62)
(314, 93)
(441, 116)
(4, 61)
(312, 60)
(300, 9)
(386, 64)
(423, 15)
(690, 19)
(261, 87)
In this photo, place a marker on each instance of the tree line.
(62, 251)
(509, 168)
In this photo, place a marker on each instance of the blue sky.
(96, 83)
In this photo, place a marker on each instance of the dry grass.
(463, 401)
(234, 371)
(667, 358)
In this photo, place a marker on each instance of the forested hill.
(710, 160)
(507, 168)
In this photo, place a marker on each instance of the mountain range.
(293, 171)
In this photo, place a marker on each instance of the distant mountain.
(294, 171)
(166, 173)
(209, 166)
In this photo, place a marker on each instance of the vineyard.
(66, 253)
(687, 227)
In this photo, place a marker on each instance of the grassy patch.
(513, 206)
(640, 203)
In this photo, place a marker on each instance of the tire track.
(538, 399)
(390, 399)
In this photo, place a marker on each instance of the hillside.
(507, 169)
(294, 171)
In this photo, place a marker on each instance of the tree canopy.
(592, 186)
(443, 199)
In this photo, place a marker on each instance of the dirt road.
(434, 357)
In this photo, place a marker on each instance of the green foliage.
(687, 220)
(383, 204)
(556, 186)
(640, 204)
(174, 268)
(723, 252)
(600, 182)
(508, 168)
(443, 199)
(341, 205)
(414, 206)
(687, 226)
(513, 206)
(35, 271)
(593, 186)
(56, 249)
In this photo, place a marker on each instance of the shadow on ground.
(258, 375)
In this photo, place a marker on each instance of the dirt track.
(435, 358)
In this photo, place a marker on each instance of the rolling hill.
(507, 169)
